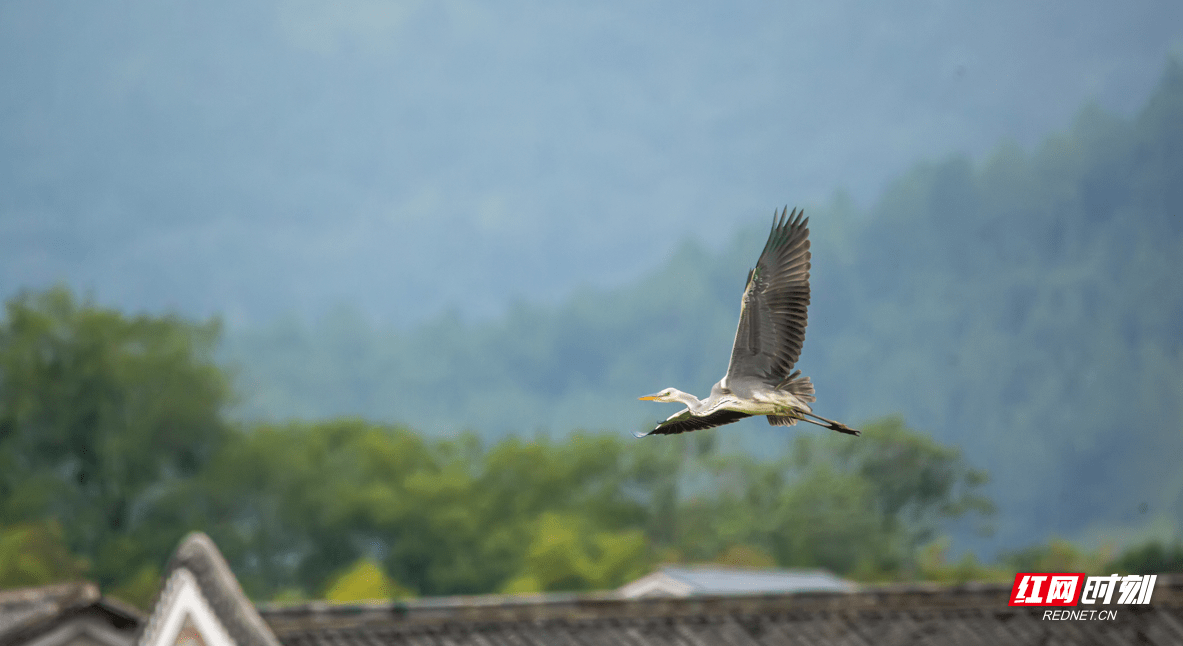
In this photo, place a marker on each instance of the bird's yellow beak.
(648, 398)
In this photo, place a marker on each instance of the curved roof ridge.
(198, 555)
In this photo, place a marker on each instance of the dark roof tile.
(26, 613)
(898, 614)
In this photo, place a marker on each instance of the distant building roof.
(683, 581)
(65, 614)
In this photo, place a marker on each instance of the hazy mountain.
(265, 158)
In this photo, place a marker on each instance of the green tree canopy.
(105, 420)
(35, 553)
(297, 504)
(365, 580)
(113, 425)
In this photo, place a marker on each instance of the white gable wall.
(182, 598)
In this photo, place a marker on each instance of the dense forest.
(1024, 308)
(114, 444)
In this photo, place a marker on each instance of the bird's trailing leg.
(827, 423)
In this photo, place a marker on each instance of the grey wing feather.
(685, 422)
(774, 310)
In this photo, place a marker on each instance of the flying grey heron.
(772, 316)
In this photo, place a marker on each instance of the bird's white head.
(667, 395)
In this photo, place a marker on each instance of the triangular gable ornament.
(202, 603)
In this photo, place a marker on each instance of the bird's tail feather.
(781, 420)
(798, 385)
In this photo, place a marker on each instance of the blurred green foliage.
(1058, 555)
(355, 510)
(106, 421)
(860, 507)
(568, 553)
(114, 425)
(364, 581)
(35, 553)
(1152, 557)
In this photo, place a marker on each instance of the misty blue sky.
(256, 159)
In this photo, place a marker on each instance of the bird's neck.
(692, 402)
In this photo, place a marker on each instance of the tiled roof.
(913, 614)
(27, 613)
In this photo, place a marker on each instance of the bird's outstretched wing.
(774, 310)
(684, 422)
